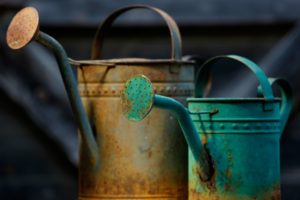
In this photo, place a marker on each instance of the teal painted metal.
(73, 94)
(137, 101)
(137, 98)
(240, 135)
(24, 28)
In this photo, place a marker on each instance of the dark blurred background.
(38, 138)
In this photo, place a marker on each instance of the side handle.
(286, 99)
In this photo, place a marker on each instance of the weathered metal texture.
(23, 28)
(137, 161)
(242, 139)
(21, 31)
(137, 98)
(233, 142)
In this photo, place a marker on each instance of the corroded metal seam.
(114, 90)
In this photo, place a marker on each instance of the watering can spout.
(21, 31)
(138, 98)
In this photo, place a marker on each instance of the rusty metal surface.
(139, 161)
(23, 28)
(136, 160)
(17, 29)
(104, 27)
(129, 61)
(239, 136)
(160, 73)
(115, 89)
(243, 139)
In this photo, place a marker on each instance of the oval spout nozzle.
(138, 98)
(21, 31)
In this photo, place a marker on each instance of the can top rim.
(240, 99)
(126, 61)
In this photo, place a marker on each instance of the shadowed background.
(38, 146)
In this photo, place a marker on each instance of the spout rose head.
(23, 28)
(137, 98)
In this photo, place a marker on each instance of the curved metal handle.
(173, 28)
(286, 99)
(201, 77)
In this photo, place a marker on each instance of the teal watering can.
(234, 150)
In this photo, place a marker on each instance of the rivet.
(168, 89)
(258, 126)
(174, 89)
(154, 89)
(222, 126)
(246, 126)
(234, 126)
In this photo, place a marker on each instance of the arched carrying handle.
(201, 77)
(173, 28)
(286, 99)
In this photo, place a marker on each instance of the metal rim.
(137, 98)
(23, 28)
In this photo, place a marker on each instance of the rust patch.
(273, 194)
(23, 28)
(149, 154)
(210, 185)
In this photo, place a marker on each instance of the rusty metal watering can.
(121, 160)
(233, 142)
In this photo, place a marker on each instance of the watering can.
(233, 142)
(120, 160)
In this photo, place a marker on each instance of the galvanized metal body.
(137, 161)
(242, 138)
(234, 142)
(243, 141)
(121, 160)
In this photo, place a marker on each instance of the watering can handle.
(173, 28)
(201, 77)
(286, 99)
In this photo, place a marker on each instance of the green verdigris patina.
(233, 142)
(137, 98)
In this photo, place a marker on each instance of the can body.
(242, 139)
(146, 160)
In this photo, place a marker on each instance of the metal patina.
(121, 160)
(23, 28)
(136, 104)
(30, 31)
(233, 142)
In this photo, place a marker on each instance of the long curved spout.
(138, 98)
(190, 133)
(73, 94)
(24, 28)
